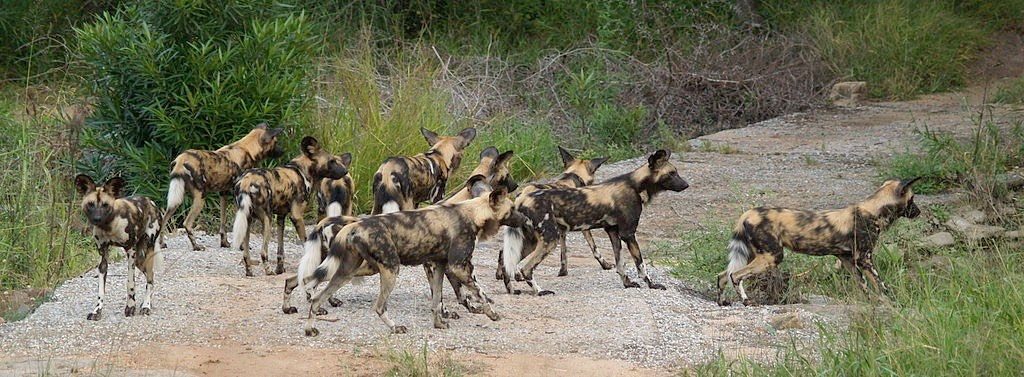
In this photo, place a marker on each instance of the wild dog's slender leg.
(723, 279)
(337, 281)
(267, 226)
(847, 261)
(868, 266)
(499, 273)
(459, 297)
(223, 217)
(101, 284)
(149, 269)
(388, 276)
(761, 263)
(289, 285)
(464, 272)
(129, 306)
(280, 246)
(429, 270)
(168, 216)
(593, 249)
(197, 206)
(563, 257)
(638, 259)
(620, 262)
(245, 249)
(435, 278)
(295, 215)
(544, 247)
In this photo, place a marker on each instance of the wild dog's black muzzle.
(677, 184)
(276, 152)
(509, 183)
(912, 210)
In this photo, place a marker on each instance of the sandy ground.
(209, 319)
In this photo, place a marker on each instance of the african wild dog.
(614, 205)
(577, 173)
(494, 168)
(200, 172)
(334, 196)
(132, 224)
(849, 233)
(441, 236)
(402, 182)
(280, 191)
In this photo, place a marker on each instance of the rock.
(981, 232)
(959, 224)
(848, 93)
(786, 321)
(976, 216)
(940, 239)
(1013, 235)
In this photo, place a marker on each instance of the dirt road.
(208, 318)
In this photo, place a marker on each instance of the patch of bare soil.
(209, 319)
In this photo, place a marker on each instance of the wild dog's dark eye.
(105, 205)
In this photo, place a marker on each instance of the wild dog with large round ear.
(849, 233)
(132, 224)
(334, 196)
(199, 172)
(403, 182)
(614, 205)
(281, 191)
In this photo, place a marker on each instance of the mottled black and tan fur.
(199, 172)
(132, 224)
(849, 233)
(281, 191)
(334, 196)
(576, 173)
(442, 236)
(614, 205)
(403, 182)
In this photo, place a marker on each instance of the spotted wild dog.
(614, 205)
(334, 196)
(849, 233)
(402, 182)
(577, 173)
(442, 236)
(200, 172)
(494, 168)
(132, 224)
(281, 191)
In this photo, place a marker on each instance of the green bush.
(33, 34)
(169, 76)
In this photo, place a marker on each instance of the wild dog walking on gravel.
(199, 172)
(494, 169)
(282, 191)
(402, 182)
(440, 236)
(850, 234)
(577, 173)
(614, 205)
(132, 224)
(334, 196)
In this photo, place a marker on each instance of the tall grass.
(38, 243)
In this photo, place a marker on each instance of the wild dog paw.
(334, 302)
(630, 284)
(656, 286)
(723, 302)
(499, 274)
(440, 324)
(145, 311)
(129, 311)
(94, 316)
(225, 243)
(399, 330)
(451, 314)
(563, 272)
(321, 311)
(290, 310)
(545, 293)
(312, 331)
(520, 276)
(605, 265)
(280, 269)
(749, 302)
(198, 247)
(249, 273)
(493, 316)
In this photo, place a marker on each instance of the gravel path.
(204, 302)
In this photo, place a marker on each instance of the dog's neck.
(570, 179)
(641, 180)
(440, 161)
(239, 152)
(304, 166)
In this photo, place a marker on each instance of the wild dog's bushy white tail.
(241, 226)
(739, 254)
(334, 209)
(310, 258)
(176, 192)
(512, 251)
(389, 207)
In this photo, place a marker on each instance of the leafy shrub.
(169, 76)
(33, 33)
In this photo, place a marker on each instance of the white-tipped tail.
(175, 192)
(241, 226)
(512, 251)
(334, 209)
(739, 255)
(389, 207)
(310, 259)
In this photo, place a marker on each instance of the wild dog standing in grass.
(132, 224)
(281, 191)
(402, 182)
(614, 205)
(441, 237)
(199, 172)
(334, 196)
(577, 173)
(849, 233)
